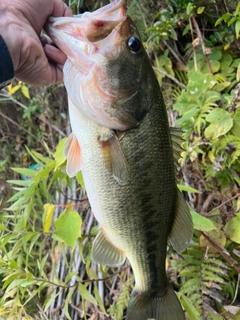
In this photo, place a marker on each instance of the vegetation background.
(46, 225)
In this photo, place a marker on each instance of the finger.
(60, 9)
(45, 39)
(54, 54)
(56, 74)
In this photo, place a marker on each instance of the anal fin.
(182, 229)
(73, 154)
(105, 253)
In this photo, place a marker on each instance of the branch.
(222, 204)
(203, 45)
(170, 77)
(18, 125)
(82, 281)
(222, 252)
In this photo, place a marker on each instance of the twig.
(172, 51)
(194, 51)
(222, 204)
(203, 45)
(18, 125)
(225, 254)
(58, 130)
(4, 93)
(82, 281)
(170, 77)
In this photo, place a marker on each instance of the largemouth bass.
(122, 143)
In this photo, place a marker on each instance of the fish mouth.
(90, 32)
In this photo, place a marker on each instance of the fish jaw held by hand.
(100, 45)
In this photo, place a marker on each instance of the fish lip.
(110, 12)
(74, 35)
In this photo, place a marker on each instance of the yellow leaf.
(12, 89)
(69, 206)
(238, 73)
(200, 10)
(196, 42)
(25, 91)
(211, 156)
(49, 210)
(166, 264)
(226, 46)
(9, 88)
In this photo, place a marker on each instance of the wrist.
(6, 65)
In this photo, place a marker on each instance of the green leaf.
(99, 300)
(22, 183)
(2, 227)
(68, 227)
(224, 18)
(201, 223)
(182, 187)
(189, 8)
(59, 155)
(220, 123)
(68, 301)
(15, 283)
(237, 28)
(189, 308)
(236, 123)
(26, 172)
(85, 294)
(186, 29)
(232, 229)
(34, 156)
(217, 236)
(40, 157)
(80, 180)
(50, 299)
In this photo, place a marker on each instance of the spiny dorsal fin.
(104, 252)
(114, 158)
(182, 229)
(73, 154)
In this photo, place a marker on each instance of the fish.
(122, 143)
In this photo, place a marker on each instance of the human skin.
(36, 60)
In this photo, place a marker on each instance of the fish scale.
(121, 141)
(145, 215)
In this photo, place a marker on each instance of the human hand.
(35, 59)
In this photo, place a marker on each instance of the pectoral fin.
(73, 154)
(104, 252)
(182, 229)
(114, 158)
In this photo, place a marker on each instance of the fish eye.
(134, 44)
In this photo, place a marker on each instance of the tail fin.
(155, 306)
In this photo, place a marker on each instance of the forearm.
(6, 65)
